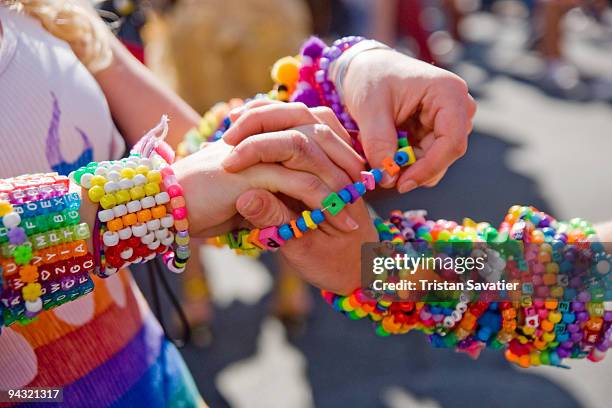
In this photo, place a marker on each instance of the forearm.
(137, 99)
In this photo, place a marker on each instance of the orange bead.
(130, 219)
(547, 325)
(296, 231)
(144, 215)
(114, 225)
(177, 202)
(549, 279)
(390, 166)
(254, 239)
(159, 211)
(551, 304)
(181, 225)
(28, 273)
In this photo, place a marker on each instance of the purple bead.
(320, 76)
(29, 314)
(327, 87)
(563, 353)
(16, 236)
(544, 223)
(607, 316)
(576, 337)
(567, 345)
(584, 296)
(313, 47)
(324, 63)
(333, 52)
(308, 97)
(582, 316)
(572, 328)
(354, 193)
(603, 346)
(577, 306)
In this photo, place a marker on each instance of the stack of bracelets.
(557, 317)
(44, 258)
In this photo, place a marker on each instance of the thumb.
(378, 136)
(262, 209)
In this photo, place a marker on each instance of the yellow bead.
(154, 176)
(31, 292)
(137, 192)
(127, 173)
(151, 189)
(98, 181)
(5, 208)
(286, 71)
(142, 169)
(309, 222)
(108, 201)
(96, 193)
(122, 196)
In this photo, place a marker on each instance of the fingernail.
(253, 206)
(351, 224)
(407, 186)
(237, 111)
(387, 180)
(229, 161)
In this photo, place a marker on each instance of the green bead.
(72, 217)
(78, 174)
(333, 203)
(81, 231)
(402, 142)
(381, 331)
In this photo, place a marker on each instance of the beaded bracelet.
(40, 224)
(533, 332)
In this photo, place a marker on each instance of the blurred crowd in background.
(214, 50)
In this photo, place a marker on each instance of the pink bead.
(170, 180)
(174, 190)
(270, 239)
(367, 179)
(167, 171)
(179, 213)
(165, 151)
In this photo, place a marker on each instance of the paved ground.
(527, 147)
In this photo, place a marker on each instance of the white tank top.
(53, 114)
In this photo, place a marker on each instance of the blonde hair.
(72, 22)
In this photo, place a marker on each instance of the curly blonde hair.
(72, 22)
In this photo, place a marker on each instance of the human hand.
(326, 257)
(211, 192)
(385, 90)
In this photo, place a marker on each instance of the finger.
(305, 187)
(315, 149)
(235, 113)
(263, 209)
(269, 118)
(447, 148)
(434, 181)
(378, 137)
(329, 118)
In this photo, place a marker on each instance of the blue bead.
(401, 158)
(377, 175)
(301, 224)
(360, 187)
(317, 216)
(345, 195)
(285, 232)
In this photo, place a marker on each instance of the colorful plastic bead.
(390, 166)
(270, 239)
(285, 232)
(333, 203)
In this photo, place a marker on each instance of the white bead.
(126, 184)
(607, 306)
(126, 253)
(169, 240)
(111, 186)
(120, 210)
(86, 180)
(108, 271)
(131, 163)
(113, 176)
(137, 260)
(161, 233)
(11, 220)
(449, 321)
(167, 221)
(100, 171)
(145, 162)
(35, 306)
(162, 198)
(147, 239)
(150, 257)
(116, 168)
(456, 315)
(172, 268)
(106, 215)
(110, 238)
(148, 202)
(139, 180)
(154, 245)
(139, 230)
(125, 233)
(134, 206)
(153, 225)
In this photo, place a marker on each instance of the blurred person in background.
(214, 50)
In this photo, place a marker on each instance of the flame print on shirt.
(53, 150)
